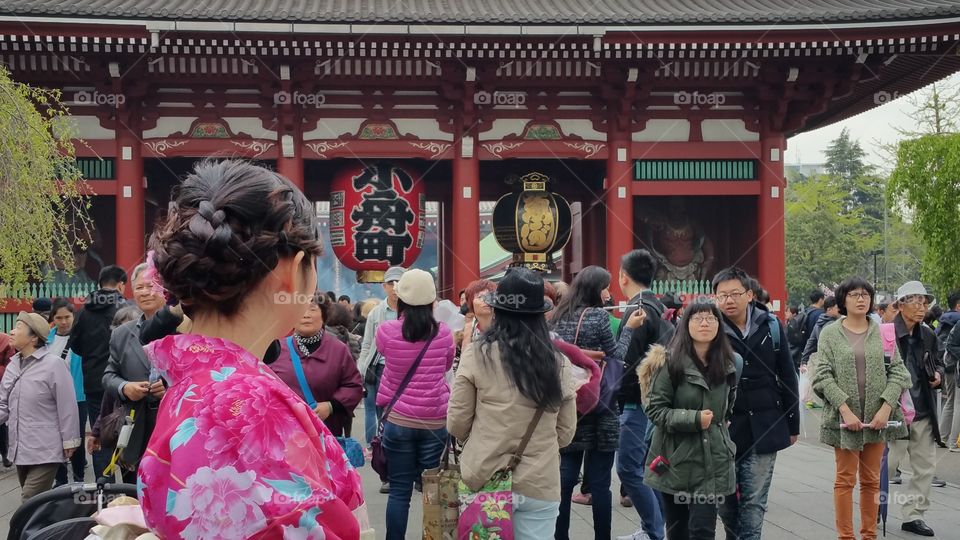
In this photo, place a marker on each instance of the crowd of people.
(240, 383)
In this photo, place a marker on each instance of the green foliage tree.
(926, 183)
(42, 201)
(820, 237)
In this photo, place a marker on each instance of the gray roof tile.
(607, 12)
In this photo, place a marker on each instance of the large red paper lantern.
(377, 212)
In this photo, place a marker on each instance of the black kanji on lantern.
(380, 231)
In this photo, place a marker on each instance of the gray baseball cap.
(394, 273)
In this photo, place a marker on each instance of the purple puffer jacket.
(427, 394)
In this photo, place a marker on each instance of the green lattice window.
(695, 169)
(96, 168)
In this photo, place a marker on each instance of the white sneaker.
(638, 535)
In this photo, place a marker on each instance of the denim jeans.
(409, 452)
(630, 469)
(371, 413)
(101, 458)
(79, 460)
(598, 471)
(743, 517)
(534, 519)
(689, 520)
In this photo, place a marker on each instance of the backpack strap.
(774, 326)
(888, 334)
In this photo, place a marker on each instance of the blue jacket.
(76, 369)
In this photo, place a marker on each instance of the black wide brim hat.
(520, 291)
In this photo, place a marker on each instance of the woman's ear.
(287, 273)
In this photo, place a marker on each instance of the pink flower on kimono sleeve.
(244, 421)
(221, 504)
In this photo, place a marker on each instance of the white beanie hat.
(416, 288)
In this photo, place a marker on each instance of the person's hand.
(794, 439)
(93, 444)
(68, 453)
(706, 418)
(881, 418)
(157, 390)
(637, 318)
(324, 410)
(803, 368)
(135, 391)
(852, 422)
(936, 380)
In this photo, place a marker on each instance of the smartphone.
(659, 465)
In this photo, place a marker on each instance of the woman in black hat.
(505, 376)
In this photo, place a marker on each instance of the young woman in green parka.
(861, 388)
(688, 393)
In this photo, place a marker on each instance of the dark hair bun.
(229, 224)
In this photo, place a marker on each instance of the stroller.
(64, 513)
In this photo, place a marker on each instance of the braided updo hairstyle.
(229, 223)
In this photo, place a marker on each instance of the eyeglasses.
(700, 319)
(734, 295)
(916, 304)
(858, 295)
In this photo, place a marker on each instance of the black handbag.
(110, 425)
(374, 371)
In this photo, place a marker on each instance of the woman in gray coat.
(38, 403)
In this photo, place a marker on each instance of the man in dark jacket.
(766, 414)
(637, 269)
(129, 374)
(90, 339)
(918, 347)
(831, 312)
(949, 420)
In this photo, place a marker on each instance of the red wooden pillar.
(771, 252)
(290, 157)
(445, 228)
(465, 240)
(618, 199)
(130, 197)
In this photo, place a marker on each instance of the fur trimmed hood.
(655, 359)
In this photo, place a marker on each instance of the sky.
(872, 128)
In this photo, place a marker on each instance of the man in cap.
(370, 363)
(917, 345)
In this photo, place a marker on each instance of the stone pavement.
(800, 505)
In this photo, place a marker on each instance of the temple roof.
(606, 12)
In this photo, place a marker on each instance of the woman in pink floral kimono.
(235, 453)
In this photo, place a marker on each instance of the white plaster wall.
(581, 128)
(331, 128)
(85, 127)
(167, 125)
(504, 126)
(727, 130)
(250, 126)
(664, 130)
(424, 128)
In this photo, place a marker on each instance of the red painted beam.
(696, 187)
(101, 187)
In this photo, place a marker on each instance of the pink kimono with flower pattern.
(236, 454)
